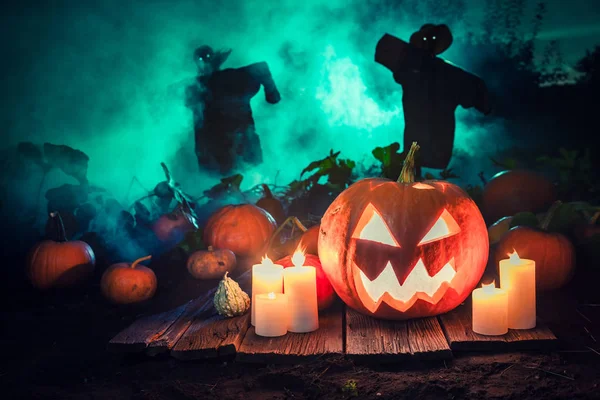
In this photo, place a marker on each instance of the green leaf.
(71, 161)
(525, 218)
(192, 241)
(385, 154)
(322, 166)
(566, 218)
(391, 161)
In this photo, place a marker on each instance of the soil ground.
(54, 347)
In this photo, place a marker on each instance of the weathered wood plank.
(211, 338)
(296, 347)
(427, 339)
(160, 332)
(457, 326)
(375, 340)
(201, 307)
(372, 340)
(137, 336)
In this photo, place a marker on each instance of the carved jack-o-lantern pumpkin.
(405, 249)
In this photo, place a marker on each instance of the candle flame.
(514, 257)
(298, 258)
(267, 261)
(271, 296)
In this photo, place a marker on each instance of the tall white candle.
(490, 310)
(267, 277)
(272, 316)
(300, 285)
(517, 277)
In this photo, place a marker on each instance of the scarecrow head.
(434, 38)
(209, 61)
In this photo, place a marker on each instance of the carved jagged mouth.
(418, 285)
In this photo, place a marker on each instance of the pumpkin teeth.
(417, 283)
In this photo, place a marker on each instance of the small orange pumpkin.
(309, 240)
(244, 229)
(125, 283)
(211, 263)
(272, 205)
(59, 263)
(553, 253)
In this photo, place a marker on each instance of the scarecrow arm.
(261, 72)
(469, 88)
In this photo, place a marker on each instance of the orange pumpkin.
(404, 249)
(125, 283)
(510, 192)
(553, 253)
(309, 241)
(272, 205)
(244, 229)
(59, 263)
(325, 293)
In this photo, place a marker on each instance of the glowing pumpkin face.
(403, 250)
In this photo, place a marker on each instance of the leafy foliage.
(337, 171)
(391, 160)
(71, 161)
(576, 178)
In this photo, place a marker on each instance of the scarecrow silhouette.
(432, 89)
(225, 135)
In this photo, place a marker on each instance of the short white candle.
(490, 310)
(267, 277)
(300, 285)
(517, 277)
(272, 317)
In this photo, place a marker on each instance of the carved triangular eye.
(371, 226)
(444, 227)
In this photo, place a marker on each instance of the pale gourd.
(230, 300)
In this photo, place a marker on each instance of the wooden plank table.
(195, 331)
(297, 347)
(211, 338)
(159, 333)
(457, 328)
(372, 340)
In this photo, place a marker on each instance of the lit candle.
(300, 286)
(517, 277)
(490, 310)
(266, 278)
(272, 316)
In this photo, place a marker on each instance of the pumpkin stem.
(210, 248)
(61, 234)
(139, 260)
(267, 192)
(550, 214)
(407, 175)
(289, 220)
(225, 276)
